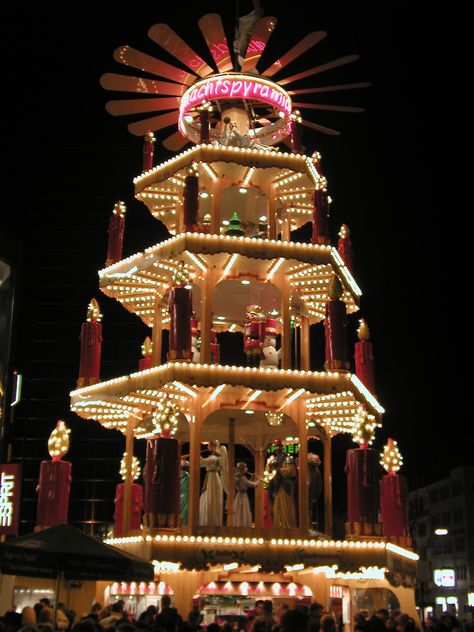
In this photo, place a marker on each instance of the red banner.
(10, 496)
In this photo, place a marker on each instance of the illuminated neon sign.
(235, 87)
(444, 577)
(10, 481)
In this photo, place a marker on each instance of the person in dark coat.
(377, 622)
(168, 620)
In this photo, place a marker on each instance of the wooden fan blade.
(264, 27)
(333, 108)
(136, 106)
(122, 83)
(165, 37)
(307, 42)
(317, 69)
(345, 86)
(213, 32)
(135, 58)
(140, 128)
(321, 128)
(175, 142)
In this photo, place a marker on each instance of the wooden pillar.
(327, 483)
(285, 228)
(127, 495)
(305, 349)
(303, 469)
(157, 333)
(286, 329)
(207, 287)
(230, 473)
(259, 491)
(194, 464)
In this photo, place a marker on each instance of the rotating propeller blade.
(345, 86)
(175, 142)
(153, 124)
(321, 128)
(135, 58)
(260, 36)
(137, 106)
(213, 32)
(307, 42)
(317, 69)
(333, 108)
(122, 83)
(164, 36)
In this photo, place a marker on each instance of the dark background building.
(442, 527)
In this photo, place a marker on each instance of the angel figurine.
(242, 513)
(211, 501)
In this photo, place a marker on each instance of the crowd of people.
(262, 618)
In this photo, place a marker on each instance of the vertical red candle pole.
(147, 348)
(136, 499)
(393, 494)
(335, 328)
(344, 246)
(204, 118)
(190, 201)
(296, 133)
(91, 345)
(364, 357)
(116, 230)
(363, 475)
(54, 481)
(215, 348)
(148, 151)
(320, 234)
(162, 470)
(180, 307)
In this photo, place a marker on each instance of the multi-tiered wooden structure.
(232, 168)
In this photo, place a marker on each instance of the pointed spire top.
(147, 347)
(391, 458)
(58, 442)
(363, 332)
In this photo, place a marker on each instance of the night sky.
(65, 151)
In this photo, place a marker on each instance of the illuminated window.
(470, 599)
(444, 577)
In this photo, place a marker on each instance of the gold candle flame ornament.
(364, 429)
(93, 312)
(136, 469)
(165, 419)
(391, 459)
(180, 275)
(344, 231)
(120, 208)
(147, 347)
(150, 137)
(58, 442)
(363, 332)
(335, 287)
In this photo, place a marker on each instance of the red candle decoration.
(344, 246)
(180, 306)
(190, 201)
(393, 494)
(162, 471)
(148, 150)
(364, 357)
(147, 348)
(91, 345)
(136, 499)
(363, 475)
(204, 118)
(335, 328)
(54, 481)
(116, 229)
(296, 132)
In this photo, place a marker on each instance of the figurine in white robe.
(242, 513)
(211, 501)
